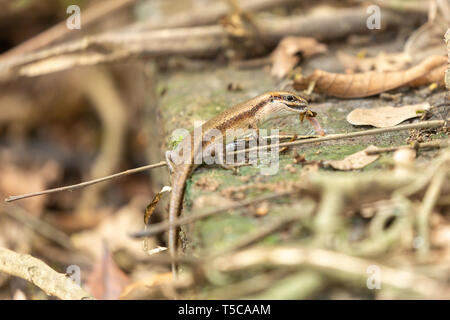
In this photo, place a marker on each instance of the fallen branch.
(40, 274)
(335, 264)
(207, 15)
(441, 143)
(195, 41)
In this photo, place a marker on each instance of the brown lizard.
(246, 115)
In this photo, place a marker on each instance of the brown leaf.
(385, 116)
(286, 55)
(114, 230)
(370, 83)
(152, 205)
(354, 161)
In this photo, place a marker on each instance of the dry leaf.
(385, 116)
(152, 205)
(370, 83)
(286, 55)
(114, 230)
(355, 161)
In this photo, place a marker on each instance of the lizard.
(246, 115)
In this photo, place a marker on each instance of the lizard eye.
(290, 98)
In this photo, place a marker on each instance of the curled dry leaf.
(286, 55)
(355, 161)
(385, 116)
(152, 205)
(370, 83)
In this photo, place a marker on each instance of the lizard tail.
(175, 206)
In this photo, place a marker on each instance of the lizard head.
(290, 101)
(279, 104)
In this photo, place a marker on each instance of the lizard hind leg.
(170, 164)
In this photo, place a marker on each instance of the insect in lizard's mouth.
(307, 113)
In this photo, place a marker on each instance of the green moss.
(217, 233)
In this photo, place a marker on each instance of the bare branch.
(40, 274)
(87, 183)
(335, 264)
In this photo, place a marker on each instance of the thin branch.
(420, 125)
(164, 226)
(441, 143)
(40, 274)
(428, 203)
(268, 229)
(206, 15)
(334, 264)
(87, 183)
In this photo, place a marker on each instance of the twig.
(163, 226)
(87, 183)
(335, 264)
(40, 274)
(425, 124)
(441, 143)
(268, 229)
(420, 125)
(206, 15)
(428, 203)
(301, 285)
(328, 217)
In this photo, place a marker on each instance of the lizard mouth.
(297, 107)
